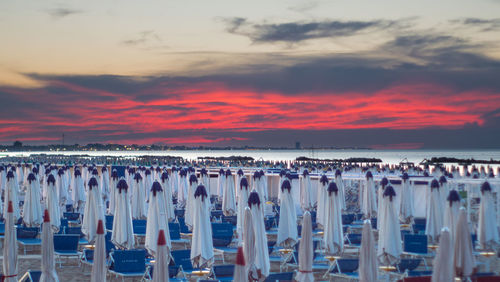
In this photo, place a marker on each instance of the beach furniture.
(66, 245)
(28, 236)
(128, 263)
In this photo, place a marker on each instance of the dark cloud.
(59, 13)
(294, 32)
(482, 24)
(143, 37)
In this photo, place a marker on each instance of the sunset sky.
(379, 74)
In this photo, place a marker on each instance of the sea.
(387, 156)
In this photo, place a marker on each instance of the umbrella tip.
(240, 259)
(10, 208)
(100, 227)
(46, 217)
(161, 238)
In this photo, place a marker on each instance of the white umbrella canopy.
(94, 210)
(12, 192)
(487, 226)
(380, 198)
(340, 184)
(452, 208)
(287, 227)
(99, 269)
(148, 181)
(368, 269)
(282, 178)
(463, 260)
(167, 193)
(239, 175)
(261, 262)
(368, 201)
(444, 189)
(242, 204)
(221, 182)
(162, 257)
(263, 184)
(32, 214)
(256, 184)
(62, 189)
(434, 212)
(157, 218)
(10, 246)
(205, 178)
(306, 201)
(442, 269)
(138, 198)
(202, 250)
(49, 273)
(333, 235)
(407, 208)
(182, 192)
(389, 236)
(105, 184)
(229, 200)
(78, 193)
(322, 200)
(123, 232)
(306, 251)
(249, 245)
(188, 214)
(52, 202)
(240, 274)
(112, 191)
(174, 181)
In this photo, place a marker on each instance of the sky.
(382, 74)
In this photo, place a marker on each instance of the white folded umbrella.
(157, 218)
(148, 181)
(188, 215)
(306, 201)
(32, 213)
(444, 188)
(340, 184)
(112, 191)
(49, 273)
(463, 259)
(94, 210)
(105, 184)
(452, 207)
(442, 269)
(239, 175)
(52, 203)
(221, 182)
(487, 226)
(240, 274)
(167, 193)
(242, 204)
(78, 193)
(99, 268)
(306, 251)
(389, 236)
(62, 190)
(261, 262)
(407, 196)
(322, 200)
(368, 265)
(368, 201)
(333, 235)
(380, 198)
(162, 257)
(287, 227)
(249, 245)
(202, 250)
(182, 192)
(434, 212)
(229, 199)
(12, 192)
(10, 246)
(138, 198)
(123, 232)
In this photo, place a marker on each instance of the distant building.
(297, 145)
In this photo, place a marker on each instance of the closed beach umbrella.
(9, 246)
(322, 200)
(306, 201)
(94, 210)
(78, 193)
(287, 228)
(306, 251)
(367, 255)
(182, 193)
(205, 178)
(442, 270)
(52, 203)
(463, 259)
(148, 181)
(256, 184)
(487, 226)
(389, 236)
(32, 214)
(138, 198)
(444, 188)
(261, 262)
(263, 184)
(123, 232)
(62, 189)
(174, 182)
(157, 218)
(333, 235)
(167, 193)
(380, 198)
(99, 268)
(340, 185)
(162, 258)
(221, 182)
(188, 215)
(229, 200)
(105, 185)
(112, 191)
(451, 212)
(12, 192)
(239, 175)
(249, 245)
(202, 250)
(434, 212)
(239, 269)
(242, 204)
(282, 178)
(368, 201)
(49, 273)
(407, 208)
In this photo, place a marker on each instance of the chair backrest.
(354, 238)
(221, 271)
(230, 219)
(410, 264)
(283, 276)
(109, 244)
(31, 276)
(64, 225)
(175, 230)
(77, 230)
(26, 232)
(139, 226)
(417, 279)
(348, 218)
(182, 224)
(2, 228)
(182, 258)
(109, 222)
(71, 215)
(346, 265)
(179, 213)
(420, 220)
(66, 242)
(222, 234)
(129, 261)
(415, 243)
(418, 228)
